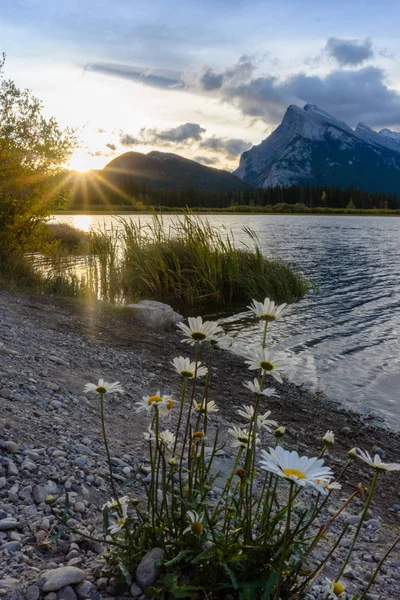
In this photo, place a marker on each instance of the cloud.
(127, 139)
(187, 131)
(111, 147)
(206, 160)
(349, 53)
(361, 95)
(159, 78)
(231, 147)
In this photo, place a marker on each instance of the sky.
(204, 79)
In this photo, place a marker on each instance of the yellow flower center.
(242, 439)
(101, 389)
(197, 336)
(197, 528)
(267, 366)
(187, 373)
(294, 472)
(154, 400)
(170, 404)
(198, 435)
(121, 521)
(267, 317)
(338, 588)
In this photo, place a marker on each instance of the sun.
(81, 161)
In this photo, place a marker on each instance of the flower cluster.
(247, 538)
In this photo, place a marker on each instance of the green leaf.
(184, 591)
(231, 575)
(270, 585)
(181, 555)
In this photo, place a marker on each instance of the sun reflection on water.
(83, 222)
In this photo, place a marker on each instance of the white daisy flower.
(302, 470)
(241, 437)
(376, 462)
(167, 438)
(164, 404)
(103, 387)
(196, 523)
(116, 527)
(210, 407)
(113, 504)
(334, 590)
(184, 367)
(254, 386)
(329, 438)
(247, 412)
(266, 361)
(335, 485)
(267, 310)
(198, 331)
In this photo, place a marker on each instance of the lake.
(343, 338)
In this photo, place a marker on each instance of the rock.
(67, 593)
(381, 453)
(56, 579)
(11, 447)
(148, 571)
(155, 314)
(58, 360)
(32, 592)
(83, 590)
(11, 546)
(373, 524)
(135, 590)
(353, 519)
(8, 523)
(3, 482)
(345, 430)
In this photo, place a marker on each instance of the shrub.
(247, 541)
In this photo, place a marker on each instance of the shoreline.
(121, 213)
(50, 348)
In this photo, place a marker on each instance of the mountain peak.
(311, 146)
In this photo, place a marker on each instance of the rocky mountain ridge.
(312, 147)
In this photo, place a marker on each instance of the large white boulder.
(155, 314)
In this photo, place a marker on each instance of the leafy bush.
(32, 152)
(252, 539)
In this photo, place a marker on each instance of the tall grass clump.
(268, 531)
(194, 263)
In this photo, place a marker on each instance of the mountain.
(312, 147)
(165, 171)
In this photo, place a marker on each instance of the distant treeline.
(92, 191)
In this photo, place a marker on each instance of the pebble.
(6, 524)
(32, 592)
(56, 579)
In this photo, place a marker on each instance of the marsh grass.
(68, 238)
(191, 263)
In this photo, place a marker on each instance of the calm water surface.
(343, 338)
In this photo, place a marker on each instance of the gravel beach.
(50, 441)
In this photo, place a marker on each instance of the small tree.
(33, 150)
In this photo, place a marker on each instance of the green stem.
(103, 427)
(285, 542)
(183, 393)
(363, 514)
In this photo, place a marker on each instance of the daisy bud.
(241, 473)
(352, 453)
(135, 501)
(280, 432)
(329, 438)
(49, 499)
(172, 461)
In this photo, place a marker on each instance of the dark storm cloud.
(230, 147)
(349, 53)
(187, 131)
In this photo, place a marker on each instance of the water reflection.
(83, 222)
(343, 338)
